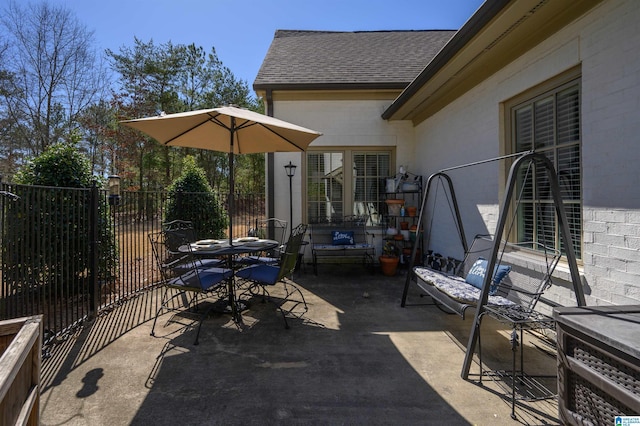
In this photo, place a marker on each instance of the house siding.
(352, 123)
(604, 44)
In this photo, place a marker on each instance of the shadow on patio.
(357, 357)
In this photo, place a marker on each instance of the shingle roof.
(360, 58)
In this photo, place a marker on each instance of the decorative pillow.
(342, 238)
(476, 275)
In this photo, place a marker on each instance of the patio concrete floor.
(356, 358)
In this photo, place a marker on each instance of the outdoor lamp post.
(113, 184)
(291, 172)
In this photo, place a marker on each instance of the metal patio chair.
(189, 281)
(274, 227)
(263, 276)
(178, 233)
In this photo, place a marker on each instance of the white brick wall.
(604, 43)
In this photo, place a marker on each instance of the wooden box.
(20, 358)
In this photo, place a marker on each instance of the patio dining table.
(222, 249)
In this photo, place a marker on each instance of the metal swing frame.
(541, 161)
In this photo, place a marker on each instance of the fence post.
(179, 200)
(93, 251)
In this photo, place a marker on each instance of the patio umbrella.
(226, 129)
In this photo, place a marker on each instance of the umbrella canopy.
(226, 129)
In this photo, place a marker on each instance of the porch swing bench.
(520, 278)
(520, 273)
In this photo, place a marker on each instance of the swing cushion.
(456, 288)
(476, 275)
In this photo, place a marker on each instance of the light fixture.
(291, 172)
(113, 184)
(291, 169)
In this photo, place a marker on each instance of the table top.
(617, 326)
(222, 247)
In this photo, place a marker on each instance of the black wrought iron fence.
(68, 253)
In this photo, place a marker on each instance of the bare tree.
(52, 74)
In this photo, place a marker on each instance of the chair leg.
(295, 289)
(202, 318)
(162, 302)
(514, 348)
(315, 264)
(284, 317)
(368, 261)
(480, 353)
(266, 297)
(186, 302)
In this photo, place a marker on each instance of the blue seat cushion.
(475, 277)
(210, 277)
(200, 264)
(265, 274)
(204, 280)
(252, 260)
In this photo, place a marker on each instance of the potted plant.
(389, 259)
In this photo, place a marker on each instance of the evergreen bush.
(54, 225)
(191, 198)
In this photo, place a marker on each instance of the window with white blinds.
(325, 186)
(369, 171)
(332, 194)
(550, 124)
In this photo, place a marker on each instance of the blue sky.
(241, 30)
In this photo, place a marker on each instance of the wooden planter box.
(20, 358)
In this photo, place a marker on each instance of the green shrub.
(192, 198)
(51, 225)
(60, 165)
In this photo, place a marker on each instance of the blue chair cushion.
(204, 280)
(342, 238)
(210, 277)
(209, 263)
(265, 274)
(200, 264)
(475, 277)
(252, 260)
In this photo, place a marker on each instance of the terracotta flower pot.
(389, 265)
(394, 206)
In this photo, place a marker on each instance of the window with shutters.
(332, 193)
(549, 123)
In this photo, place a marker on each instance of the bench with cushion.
(453, 291)
(341, 238)
(522, 273)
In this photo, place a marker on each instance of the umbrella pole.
(231, 210)
(232, 203)
(235, 314)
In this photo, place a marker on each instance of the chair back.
(272, 228)
(184, 271)
(177, 232)
(161, 254)
(289, 256)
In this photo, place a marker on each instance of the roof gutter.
(488, 11)
(330, 86)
